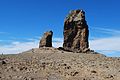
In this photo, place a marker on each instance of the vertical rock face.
(76, 32)
(46, 40)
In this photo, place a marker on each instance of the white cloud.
(17, 47)
(108, 45)
(57, 44)
(57, 39)
(112, 32)
(111, 43)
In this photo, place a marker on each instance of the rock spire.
(76, 32)
(46, 40)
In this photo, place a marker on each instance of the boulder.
(46, 40)
(76, 32)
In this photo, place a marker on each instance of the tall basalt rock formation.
(46, 40)
(76, 32)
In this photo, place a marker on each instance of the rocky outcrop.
(76, 32)
(46, 40)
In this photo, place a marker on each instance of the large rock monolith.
(76, 32)
(46, 40)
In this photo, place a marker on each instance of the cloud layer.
(109, 45)
(17, 47)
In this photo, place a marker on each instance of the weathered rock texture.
(46, 40)
(76, 32)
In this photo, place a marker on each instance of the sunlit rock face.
(76, 32)
(46, 40)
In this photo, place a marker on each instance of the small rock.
(2, 62)
(74, 73)
(93, 72)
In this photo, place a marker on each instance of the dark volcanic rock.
(46, 40)
(76, 32)
(2, 62)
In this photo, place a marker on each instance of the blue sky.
(22, 23)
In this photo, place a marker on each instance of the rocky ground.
(54, 64)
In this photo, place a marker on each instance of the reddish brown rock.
(46, 40)
(76, 32)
